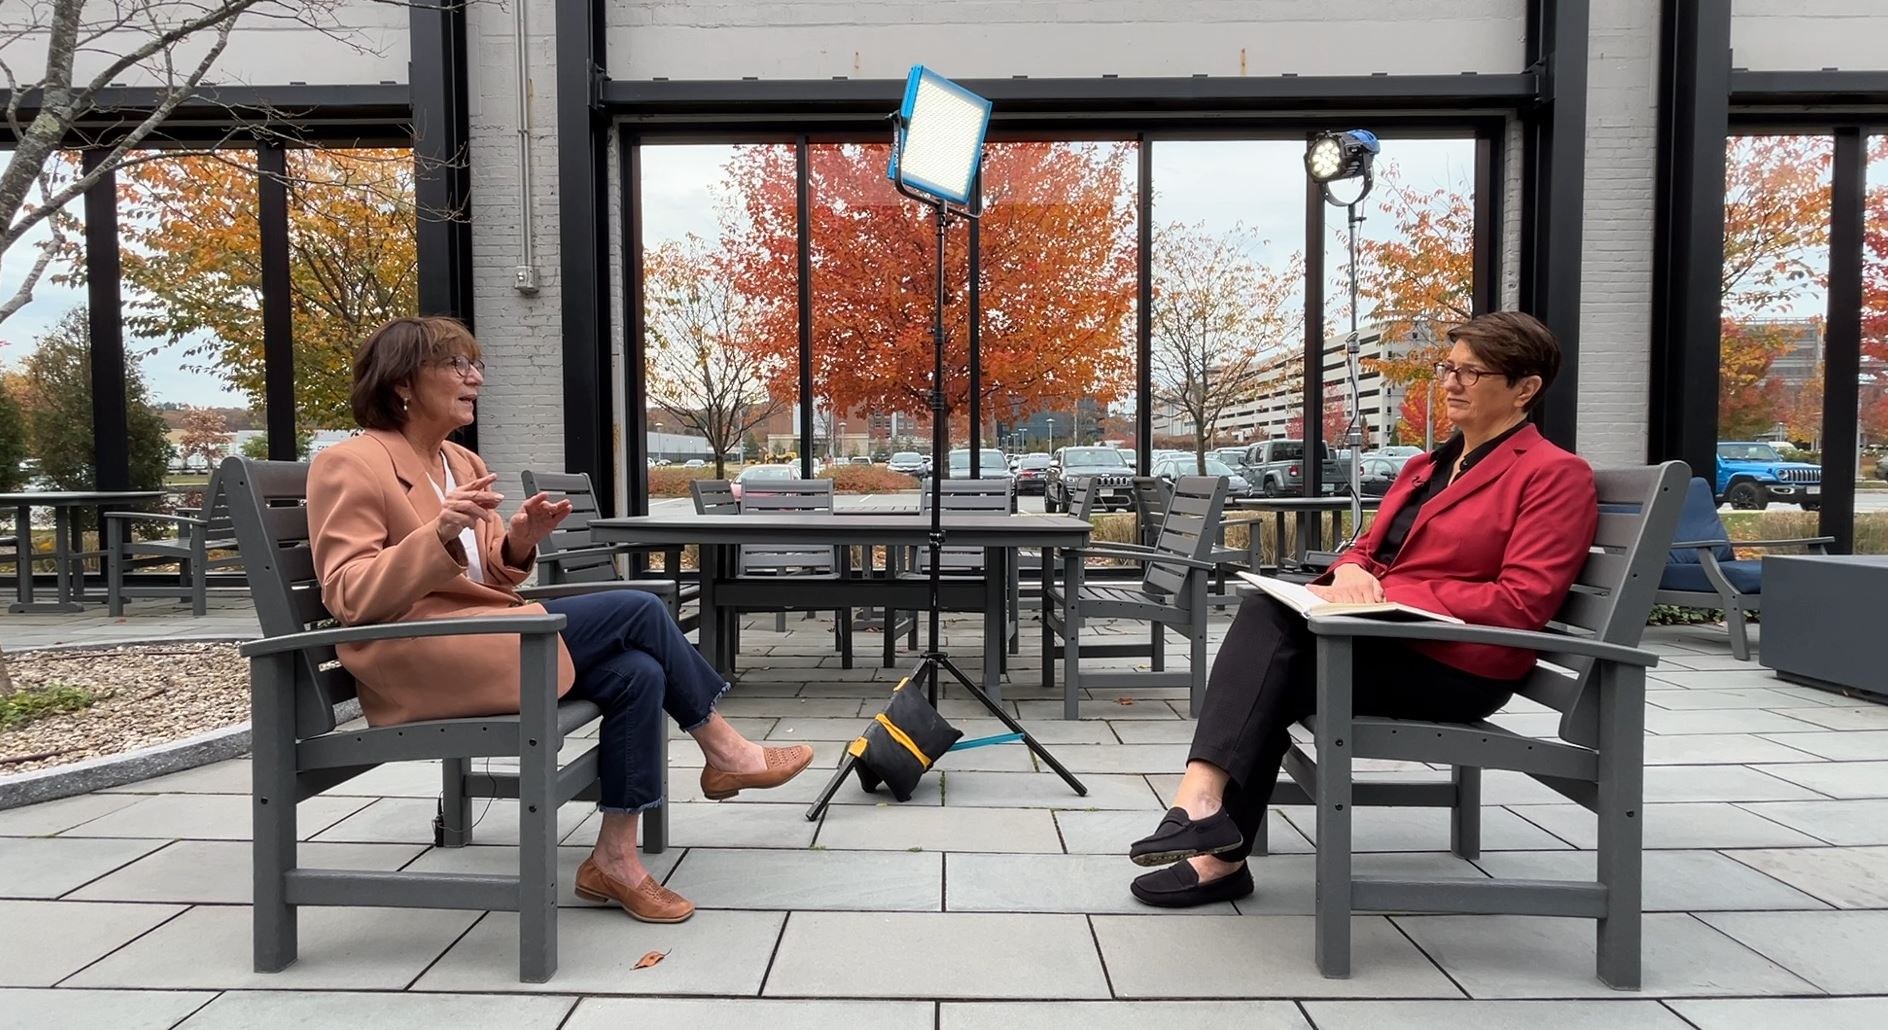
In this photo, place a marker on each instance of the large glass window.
(1871, 488)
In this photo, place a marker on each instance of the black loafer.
(1179, 837)
(1179, 886)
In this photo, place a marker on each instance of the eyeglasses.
(465, 366)
(1467, 375)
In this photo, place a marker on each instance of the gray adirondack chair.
(812, 497)
(300, 751)
(1172, 594)
(1152, 495)
(1596, 681)
(1703, 571)
(204, 541)
(988, 496)
(570, 555)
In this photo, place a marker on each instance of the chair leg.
(1621, 833)
(1071, 664)
(1157, 647)
(114, 565)
(1262, 837)
(1196, 694)
(1740, 632)
(655, 822)
(200, 582)
(780, 622)
(273, 807)
(1332, 927)
(891, 637)
(845, 638)
(1465, 817)
(537, 884)
(455, 803)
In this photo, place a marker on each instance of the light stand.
(1332, 157)
(938, 111)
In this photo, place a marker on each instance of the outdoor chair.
(570, 555)
(1592, 672)
(1703, 571)
(987, 496)
(299, 749)
(811, 497)
(205, 540)
(1171, 594)
(1152, 495)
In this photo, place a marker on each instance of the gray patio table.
(723, 592)
(62, 503)
(1307, 509)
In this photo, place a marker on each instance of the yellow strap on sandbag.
(857, 748)
(899, 736)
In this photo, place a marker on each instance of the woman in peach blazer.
(405, 526)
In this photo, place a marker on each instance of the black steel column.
(1314, 350)
(105, 305)
(1553, 192)
(278, 330)
(1842, 346)
(442, 176)
(976, 335)
(635, 362)
(1488, 208)
(803, 260)
(1144, 312)
(1688, 236)
(583, 247)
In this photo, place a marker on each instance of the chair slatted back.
(1152, 495)
(1612, 595)
(574, 534)
(810, 497)
(219, 528)
(268, 504)
(974, 496)
(1085, 501)
(1188, 531)
(714, 497)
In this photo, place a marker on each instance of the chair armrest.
(1808, 541)
(663, 588)
(517, 625)
(1532, 640)
(145, 516)
(1151, 557)
(598, 551)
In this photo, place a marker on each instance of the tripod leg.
(832, 787)
(1034, 745)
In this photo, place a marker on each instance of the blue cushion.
(1698, 520)
(1746, 576)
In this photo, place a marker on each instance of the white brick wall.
(1616, 292)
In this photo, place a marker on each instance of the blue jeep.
(1752, 474)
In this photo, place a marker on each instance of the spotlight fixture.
(1335, 156)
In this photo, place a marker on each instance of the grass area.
(33, 703)
(1871, 529)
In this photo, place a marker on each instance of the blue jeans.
(633, 662)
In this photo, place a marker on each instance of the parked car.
(990, 464)
(1032, 473)
(1277, 468)
(1751, 474)
(1232, 456)
(1073, 467)
(859, 459)
(909, 463)
(1176, 465)
(1401, 454)
(695, 463)
(1881, 468)
(1376, 472)
(755, 477)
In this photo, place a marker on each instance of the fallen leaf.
(650, 959)
(1124, 700)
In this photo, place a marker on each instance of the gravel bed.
(146, 694)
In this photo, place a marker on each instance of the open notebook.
(1306, 603)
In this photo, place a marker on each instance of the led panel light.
(940, 139)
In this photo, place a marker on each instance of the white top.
(474, 568)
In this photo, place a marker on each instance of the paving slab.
(804, 789)
(503, 861)
(220, 872)
(1840, 780)
(1533, 957)
(1049, 711)
(810, 880)
(1669, 723)
(1671, 827)
(1872, 717)
(1769, 1013)
(1110, 833)
(1258, 957)
(357, 1010)
(1287, 884)
(1147, 732)
(719, 953)
(210, 817)
(210, 947)
(1119, 1015)
(1843, 877)
(50, 817)
(1722, 749)
(1492, 1015)
(1048, 883)
(1838, 952)
(937, 955)
(1124, 758)
(1052, 732)
(1427, 829)
(1846, 823)
(398, 780)
(1674, 881)
(1838, 745)
(1751, 676)
(721, 1013)
(410, 821)
(1707, 699)
(227, 777)
(710, 825)
(67, 936)
(1674, 783)
(1019, 830)
(1047, 790)
(66, 1009)
(47, 867)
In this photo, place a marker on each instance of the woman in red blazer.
(1491, 527)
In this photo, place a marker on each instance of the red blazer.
(1500, 546)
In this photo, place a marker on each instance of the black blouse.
(1440, 460)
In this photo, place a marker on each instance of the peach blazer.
(371, 507)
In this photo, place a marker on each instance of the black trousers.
(1265, 679)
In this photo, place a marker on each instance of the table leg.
(996, 618)
(708, 625)
(61, 552)
(23, 567)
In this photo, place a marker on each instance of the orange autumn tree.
(1874, 399)
(1416, 285)
(1057, 290)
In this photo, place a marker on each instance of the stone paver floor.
(995, 898)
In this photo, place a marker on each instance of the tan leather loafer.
(783, 764)
(648, 901)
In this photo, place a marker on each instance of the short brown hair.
(1514, 344)
(393, 355)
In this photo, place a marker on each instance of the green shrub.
(867, 479)
(31, 703)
